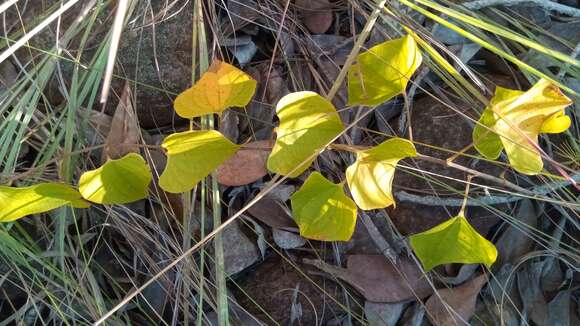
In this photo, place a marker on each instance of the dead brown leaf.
(379, 280)
(272, 213)
(125, 133)
(455, 306)
(247, 165)
(316, 15)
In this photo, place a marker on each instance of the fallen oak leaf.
(247, 165)
(378, 279)
(455, 306)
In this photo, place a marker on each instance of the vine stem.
(474, 173)
(549, 5)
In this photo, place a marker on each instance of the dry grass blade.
(8, 52)
(122, 7)
(6, 5)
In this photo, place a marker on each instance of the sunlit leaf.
(370, 178)
(486, 141)
(19, 202)
(307, 123)
(516, 118)
(383, 71)
(322, 210)
(117, 181)
(220, 87)
(191, 156)
(453, 241)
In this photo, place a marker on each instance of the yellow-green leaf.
(453, 241)
(556, 124)
(517, 118)
(19, 202)
(370, 178)
(220, 87)
(117, 181)
(191, 156)
(486, 141)
(307, 123)
(322, 210)
(383, 71)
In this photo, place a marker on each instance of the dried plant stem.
(438, 161)
(548, 5)
(475, 173)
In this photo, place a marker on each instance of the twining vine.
(511, 122)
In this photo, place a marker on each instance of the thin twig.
(475, 173)
(456, 166)
(548, 5)
(542, 190)
(22, 41)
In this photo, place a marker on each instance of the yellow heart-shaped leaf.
(383, 71)
(19, 202)
(191, 156)
(307, 123)
(516, 118)
(453, 241)
(117, 181)
(370, 177)
(322, 210)
(220, 87)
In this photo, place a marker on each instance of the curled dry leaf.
(379, 280)
(247, 165)
(455, 306)
(125, 133)
(316, 15)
